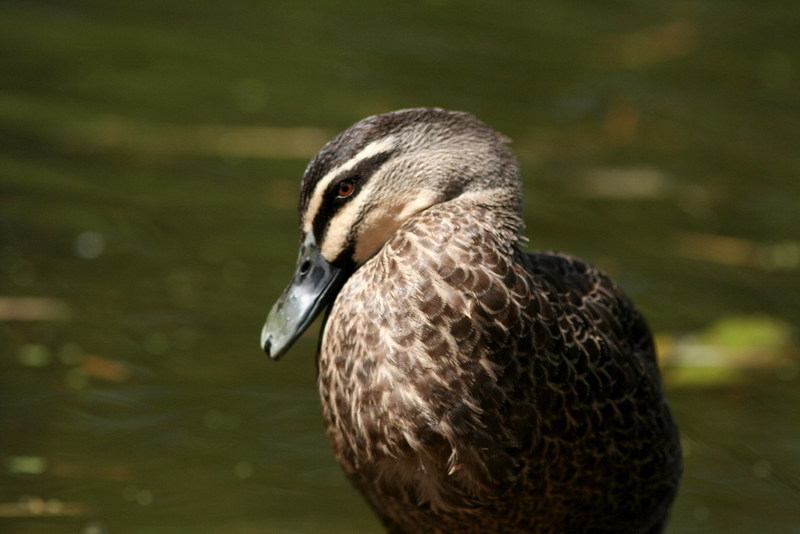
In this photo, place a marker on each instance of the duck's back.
(609, 448)
(469, 386)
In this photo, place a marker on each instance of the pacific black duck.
(468, 386)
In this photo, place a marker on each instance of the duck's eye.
(345, 188)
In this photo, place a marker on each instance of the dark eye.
(345, 188)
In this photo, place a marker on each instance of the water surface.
(150, 156)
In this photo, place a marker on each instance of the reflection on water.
(149, 164)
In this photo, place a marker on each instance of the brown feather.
(470, 387)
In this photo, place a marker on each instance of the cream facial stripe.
(315, 202)
(339, 230)
(378, 224)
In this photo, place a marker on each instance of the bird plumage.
(466, 385)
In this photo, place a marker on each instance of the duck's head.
(365, 183)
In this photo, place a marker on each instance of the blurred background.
(150, 159)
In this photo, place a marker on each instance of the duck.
(467, 385)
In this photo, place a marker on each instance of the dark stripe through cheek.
(360, 175)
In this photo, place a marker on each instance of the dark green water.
(150, 156)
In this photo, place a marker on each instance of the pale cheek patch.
(377, 226)
(315, 202)
(384, 220)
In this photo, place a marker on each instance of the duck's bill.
(314, 285)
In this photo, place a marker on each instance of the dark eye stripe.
(361, 173)
(360, 176)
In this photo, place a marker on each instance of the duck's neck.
(395, 336)
(497, 211)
